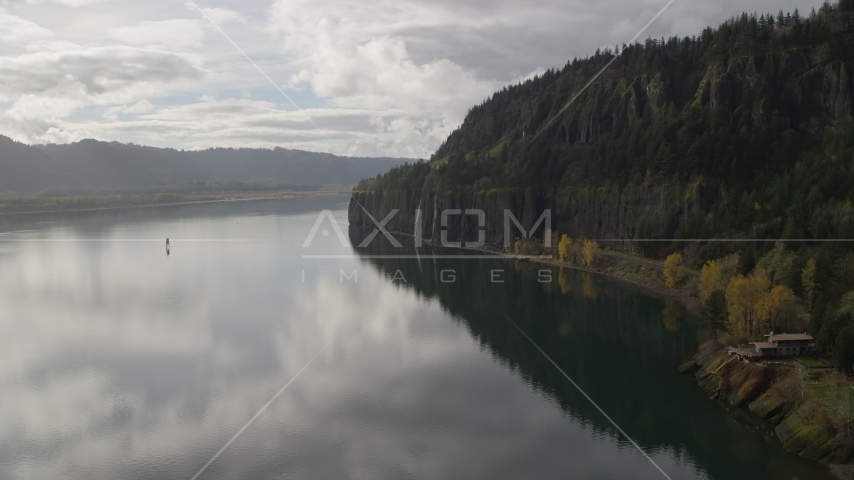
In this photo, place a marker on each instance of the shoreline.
(735, 385)
(803, 421)
(691, 304)
(745, 386)
(236, 197)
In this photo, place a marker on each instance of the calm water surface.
(118, 361)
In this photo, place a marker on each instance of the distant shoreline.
(615, 269)
(691, 303)
(8, 210)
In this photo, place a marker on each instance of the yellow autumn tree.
(564, 281)
(716, 275)
(808, 281)
(743, 295)
(589, 253)
(518, 246)
(776, 308)
(673, 269)
(565, 249)
(589, 288)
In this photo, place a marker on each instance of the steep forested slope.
(742, 131)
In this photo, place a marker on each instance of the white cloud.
(16, 30)
(105, 71)
(221, 16)
(239, 123)
(175, 34)
(46, 87)
(67, 3)
(353, 70)
(529, 76)
(140, 107)
(379, 73)
(56, 101)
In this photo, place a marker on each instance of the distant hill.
(291, 166)
(93, 164)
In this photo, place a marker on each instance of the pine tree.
(589, 253)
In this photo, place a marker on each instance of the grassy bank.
(812, 408)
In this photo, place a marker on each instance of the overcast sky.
(374, 78)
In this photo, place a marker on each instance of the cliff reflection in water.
(619, 344)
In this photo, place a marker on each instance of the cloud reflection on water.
(117, 361)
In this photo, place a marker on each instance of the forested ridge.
(737, 106)
(89, 167)
(743, 131)
(757, 112)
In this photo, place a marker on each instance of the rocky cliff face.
(605, 213)
(525, 206)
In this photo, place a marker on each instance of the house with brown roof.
(777, 345)
(789, 343)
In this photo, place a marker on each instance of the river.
(118, 360)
